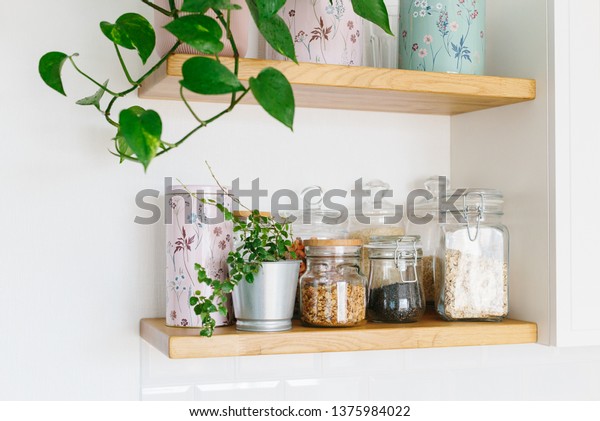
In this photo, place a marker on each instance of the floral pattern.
(191, 239)
(443, 36)
(323, 32)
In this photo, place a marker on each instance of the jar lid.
(375, 205)
(472, 199)
(344, 242)
(246, 214)
(403, 246)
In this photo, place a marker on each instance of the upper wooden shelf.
(362, 88)
(428, 333)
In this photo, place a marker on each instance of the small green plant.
(261, 239)
(139, 131)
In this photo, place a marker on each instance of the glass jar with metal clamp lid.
(474, 257)
(395, 279)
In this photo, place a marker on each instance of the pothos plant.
(138, 132)
(261, 239)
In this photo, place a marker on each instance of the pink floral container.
(196, 233)
(323, 32)
(240, 24)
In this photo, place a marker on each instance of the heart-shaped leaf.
(275, 31)
(267, 8)
(206, 76)
(274, 93)
(94, 99)
(50, 67)
(142, 130)
(199, 31)
(133, 32)
(201, 6)
(373, 11)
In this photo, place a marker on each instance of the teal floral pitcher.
(442, 36)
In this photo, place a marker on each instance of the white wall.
(77, 274)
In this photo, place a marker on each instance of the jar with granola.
(332, 292)
(474, 255)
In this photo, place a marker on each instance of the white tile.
(482, 384)
(563, 382)
(332, 389)
(579, 354)
(241, 391)
(265, 367)
(443, 358)
(518, 355)
(406, 386)
(159, 370)
(168, 393)
(367, 363)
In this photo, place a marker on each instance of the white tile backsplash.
(507, 372)
(327, 389)
(241, 391)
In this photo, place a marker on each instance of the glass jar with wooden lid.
(333, 292)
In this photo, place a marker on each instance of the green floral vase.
(442, 36)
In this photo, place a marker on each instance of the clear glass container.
(377, 217)
(473, 252)
(429, 232)
(381, 49)
(332, 291)
(314, 220)
(395, 280)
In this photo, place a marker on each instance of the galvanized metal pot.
(267, 304)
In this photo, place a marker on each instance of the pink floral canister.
(196, 233)
(323, 32)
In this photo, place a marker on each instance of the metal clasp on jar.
(471, 211)
(401, 259)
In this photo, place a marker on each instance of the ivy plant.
(260, 239)
(138, 132)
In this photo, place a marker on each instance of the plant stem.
(205, 123)
(236, 55)
(127, 75)
(90, 78)
(107, 111)
(187, 104)
(158, 8)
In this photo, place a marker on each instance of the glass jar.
(428, 231)
(473, 250)
(395, 288)
(381, 48)
(377, 217)
(332, 291)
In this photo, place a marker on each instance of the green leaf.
(122, 147)
(250, 278)
(194, 301)
(201, 32)
(50, 67)
(275, 31)
(201, 6)
(94, 99)
(206, 76)
(142, 130)
(267, 8)
(133, 32)
(274, 93)
(373, 11)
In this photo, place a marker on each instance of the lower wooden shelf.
(430, 332)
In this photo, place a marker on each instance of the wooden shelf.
(428, 333)
(362, 88)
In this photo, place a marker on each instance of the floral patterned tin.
(443, 36)
(323, 32)
(196, 233)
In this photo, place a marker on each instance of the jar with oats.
(474, 254)
(333, 293)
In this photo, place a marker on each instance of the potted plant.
(138, 132)
(263, 276)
